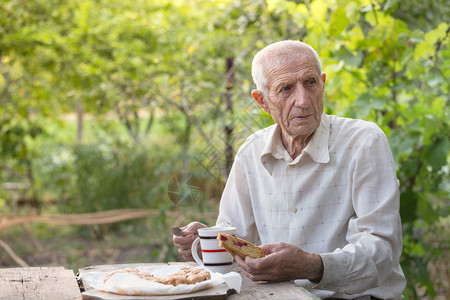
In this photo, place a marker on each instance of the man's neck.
(295, 145)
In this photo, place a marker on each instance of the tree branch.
(13, 255)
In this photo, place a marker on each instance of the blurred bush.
(101, 176)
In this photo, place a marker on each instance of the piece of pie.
(237, 246)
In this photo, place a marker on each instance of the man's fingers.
(257, 277)
(186, 254)
(267, 248)
(249, 265)
(259, 265)
(271, 248)
(241, 262)
(193, 227)
(184, 241)
(248, 271)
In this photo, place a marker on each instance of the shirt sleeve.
(235, 205)
(374, 234)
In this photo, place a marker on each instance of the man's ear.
(324, 78)
(259, 97)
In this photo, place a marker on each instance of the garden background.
(119, 118)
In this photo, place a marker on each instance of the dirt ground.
(76, 247)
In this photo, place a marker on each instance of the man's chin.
(297, 132)
(303, 127)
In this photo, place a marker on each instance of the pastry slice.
(236, 246)
(186, 275)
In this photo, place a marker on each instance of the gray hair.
(276, 53)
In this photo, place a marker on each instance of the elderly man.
(319, 192)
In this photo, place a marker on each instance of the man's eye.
(311, 81)
(286, 88)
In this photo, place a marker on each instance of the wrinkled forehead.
(299, 63)
(289, 55)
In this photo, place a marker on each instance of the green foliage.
(102, 176)
(160, 69)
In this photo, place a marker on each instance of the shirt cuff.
(334, 269)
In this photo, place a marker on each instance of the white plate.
(131, 284)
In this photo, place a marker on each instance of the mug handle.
(195, 253)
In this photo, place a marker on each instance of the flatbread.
(186, 275)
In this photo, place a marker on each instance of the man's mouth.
(301, 118)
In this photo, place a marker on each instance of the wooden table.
(60, 283)
(38, 283)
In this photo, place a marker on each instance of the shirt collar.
(317, 147)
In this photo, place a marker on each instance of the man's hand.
(183, 243)
(282, 262)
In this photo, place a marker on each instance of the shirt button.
(294, 210)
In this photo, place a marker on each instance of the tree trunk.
(79, 121)
(228, 128)
(186, 141)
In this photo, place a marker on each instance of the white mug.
(215, 258)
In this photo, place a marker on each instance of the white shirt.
(339, 198)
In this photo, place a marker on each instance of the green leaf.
(367, 101)
(402, 143)
(339, 22)
(425, 211)
(367, 8)
(389, 4)
(378, 103)
(426, 49)
(408, 206)
(436, 155)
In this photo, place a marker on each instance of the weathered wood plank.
(38, 283)
(275, 290)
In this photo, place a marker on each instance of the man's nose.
(301, 97)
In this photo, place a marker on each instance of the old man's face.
(295, 96)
